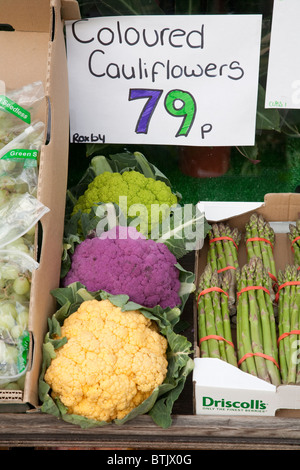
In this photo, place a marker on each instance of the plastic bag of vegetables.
(15, 284)
(19, 217)
(21, 137)
(19, 163)
(107, 360)
(19, 108)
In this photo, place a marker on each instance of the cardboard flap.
(70, 10)
(33, 15)
(282, 206)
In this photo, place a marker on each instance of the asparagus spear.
(213, 344)
(256, 322)
(254, 234)
(222, 253)
(286, 326)
(270, 235)
(244, 345)
(212, 253)
(282, 357)
(293, 234)
(267, 323)
(257, 227)
(213, 316)
(263, 246)
(239, 335)
(201, 320)
(288, 317)
(230, 352)
(268, 298)
(221, 261)
(249, 244)
(215, 295)
(294, 342)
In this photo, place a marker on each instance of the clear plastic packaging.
(19, 216)
(15, 283)
(21, 138)
(19, 163)
(18, 109)
(24, 244)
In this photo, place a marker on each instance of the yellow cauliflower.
(112, 361)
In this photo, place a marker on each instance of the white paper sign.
(283, 79)
(170, 80)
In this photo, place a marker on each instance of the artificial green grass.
(277, 172)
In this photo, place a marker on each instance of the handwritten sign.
(283, 78)
(170, 80)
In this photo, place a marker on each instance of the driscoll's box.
(221, 388)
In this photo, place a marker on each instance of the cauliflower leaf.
(160, 401)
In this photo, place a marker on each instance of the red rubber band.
(259, 239)
(284, 335)
(219, 338)
(295, 239)
(223, 238)
(211, 289)
(273, 277)
(288, 283)
(246, 289)
(225, 269)
(270, 358)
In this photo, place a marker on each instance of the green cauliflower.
(134, 193)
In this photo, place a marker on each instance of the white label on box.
(221, 388)
(170, 80)
(283, 78)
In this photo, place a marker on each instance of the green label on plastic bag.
(11, 107)
(23, 348)
(30, 155)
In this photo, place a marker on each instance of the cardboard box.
(35, 51)
(220, 388)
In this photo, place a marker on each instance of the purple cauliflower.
(124, 262)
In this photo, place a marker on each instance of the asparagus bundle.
(260, 239)
(288, 298)
(223, 253)
(294, 236)
(256, 329)
(223, 246)
(214, 330)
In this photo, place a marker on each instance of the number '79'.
(178, 103)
